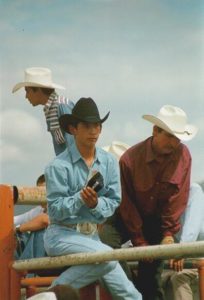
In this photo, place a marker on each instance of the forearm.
(37, 223)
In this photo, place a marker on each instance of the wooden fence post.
(6, 239)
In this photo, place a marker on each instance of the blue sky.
(130, 56)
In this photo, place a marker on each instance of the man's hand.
(176, 264)
(167, 240)
(89, 197)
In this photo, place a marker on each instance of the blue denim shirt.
(63, 108)
(192, 220)
(68, 174)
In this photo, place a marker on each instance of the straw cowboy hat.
(116, 148)
(173, 120)
(37, 77)
(44, 296)
(85, 110)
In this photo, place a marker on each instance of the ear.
(155, 130)
(71, 129)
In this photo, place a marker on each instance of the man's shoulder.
(60, 160)
(135, 151)
(184, 153)
(65, 105)
(63, 100)
(106, 156)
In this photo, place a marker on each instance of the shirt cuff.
(96, 211)
(167, 233)
(139, 240)
(79, 201)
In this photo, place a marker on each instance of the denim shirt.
(192, 220)
(63, 108)
(65, 178)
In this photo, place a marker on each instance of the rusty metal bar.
(37, 281)
(186, 250)
(31, 195)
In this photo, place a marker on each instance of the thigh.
(62, 240)
(109, 235)
(187, 276)
(113, 232)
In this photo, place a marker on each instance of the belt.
(85, 228)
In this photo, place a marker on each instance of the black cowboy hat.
(85, 110)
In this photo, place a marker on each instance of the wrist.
(18, 230)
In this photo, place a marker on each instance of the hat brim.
(44, 296)
(69, 119)
(188, 134)
(19, 85)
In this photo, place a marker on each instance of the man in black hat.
(77, 202)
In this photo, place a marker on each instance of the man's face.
(34, 97)
(87, 134)
(164, 142)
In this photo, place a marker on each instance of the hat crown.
(38, 75)
(44, 296)
(86, 109)
(117, 148)
(174, 117)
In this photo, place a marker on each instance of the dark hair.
(64, 292)
(45, 91)
(76, 121)
(41, 179)
(158, 128)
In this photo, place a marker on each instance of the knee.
(177, 279)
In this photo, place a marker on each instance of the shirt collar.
(76, 156)
(150, 155)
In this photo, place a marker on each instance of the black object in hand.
(96, 182)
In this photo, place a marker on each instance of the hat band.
(182, 132)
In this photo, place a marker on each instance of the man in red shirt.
(155, 178)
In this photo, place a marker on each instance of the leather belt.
(84, 228)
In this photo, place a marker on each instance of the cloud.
(19, 126)
(10, 153)
(132, 57)
(23, 138)
(25, 148)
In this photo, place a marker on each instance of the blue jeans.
(60, 240)
(33, 245)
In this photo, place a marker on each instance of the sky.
(131, 56)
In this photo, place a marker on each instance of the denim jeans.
(60, 240)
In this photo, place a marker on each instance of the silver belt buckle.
(87, 228)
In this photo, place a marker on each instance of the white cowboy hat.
(173, 120)
(37, 77)
(44, 296)
(117, 148)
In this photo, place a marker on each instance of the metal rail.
(30, 195)
(185, 250)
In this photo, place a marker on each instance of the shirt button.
(151, 198)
